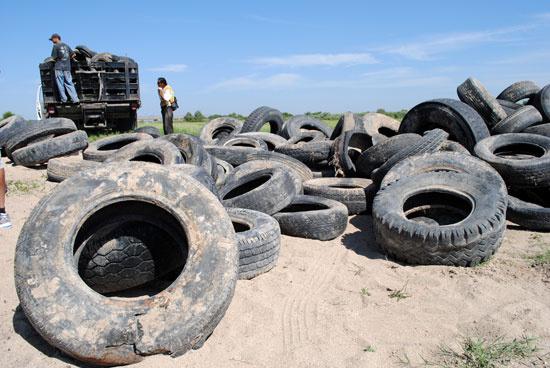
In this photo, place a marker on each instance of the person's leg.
(60, 80)
(4, 219)
(70, 86)
(169, 127)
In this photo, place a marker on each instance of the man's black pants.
(167, 120)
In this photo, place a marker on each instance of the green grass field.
(181, 126)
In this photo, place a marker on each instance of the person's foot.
(4, 221)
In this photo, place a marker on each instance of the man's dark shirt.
(62, 55)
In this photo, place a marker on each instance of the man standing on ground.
(4, 218)
(166, 94)
(62, 55)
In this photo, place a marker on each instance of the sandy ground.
(326, 304)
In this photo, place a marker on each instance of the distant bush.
(287, 115)
(198, 116)
(397, 115)
(7, 114)
(188, 117)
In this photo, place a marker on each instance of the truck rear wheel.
(126, 125)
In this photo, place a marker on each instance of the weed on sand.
(23, 186)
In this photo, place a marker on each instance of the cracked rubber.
(113, 331)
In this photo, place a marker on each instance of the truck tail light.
(134, 106)
(51, 109)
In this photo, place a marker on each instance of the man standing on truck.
(62, 55)
(166, 94)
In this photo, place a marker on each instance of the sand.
(326, 304)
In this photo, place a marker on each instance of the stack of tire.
(87, 59)
(34, 143)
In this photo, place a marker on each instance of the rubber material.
(103, 148)
(261, 116)
(41, 152)
(352, 192)
(476, 95)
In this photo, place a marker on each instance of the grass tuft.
(365, 292)
(544, 257)
(400, 293)
(369, 349)
(22, 186)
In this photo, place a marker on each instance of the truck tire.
(29, 133)
(352, 192)
(542, 129)
(247, 142)
(509, 107)
(148, 150)
(62, 168)
(238, 156)
(126, 125)
(542, 102)
(348, 121)
(102, 57)
(151, 130)
(108, 330)
(529, 208)
(313, 217)
(41, 152)
(300, 123)
(261, 116)
(103, 148)
(519, 91)
(223, 169)
(429, 143)
(440, 218)
(256, 165)
(270, 139)
(309, 151)
(473, 93)
(523, 160)
(462, 122)
(258, 239)
(376, 123)
(376, 155)
(518, 121)
(218, 130)
(191, 148)
(10, 125)
(347, 148)
(268, 190)
(86, 51)
(444, 162)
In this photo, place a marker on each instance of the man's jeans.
(64, 80)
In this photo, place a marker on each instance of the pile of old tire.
(131, 259)
(33, 143)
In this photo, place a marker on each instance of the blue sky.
(296, 56)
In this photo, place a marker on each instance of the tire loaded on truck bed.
(107, 86)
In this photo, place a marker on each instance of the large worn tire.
(476, 95)
(307, 152)
(149, 150)
(151, 130)
(542, 102)
(542, 129)
(112, 331)
(313, 217)
(34, 132)
(429, 143)
(238, 156)
(62, 168)
(440, 218)
(530, 208)
(199, 174)
(347, 148)
(9, 126)
(259, 241)
(519, 91)
(300, 123)
(86, 51)
(248, 142)
(348, 121)
(375, 156)
(270, 139)
(376, 123)
(261, 116)
(219, 130)
(352, 192)
(40, 152)
(461, 121)
(267, 190)
(523, 160)
(103, 148)
(518, 121)
(223, 169)
(445, 162)
(256, 165)
(191, 148)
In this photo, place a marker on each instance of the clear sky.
(295, 56)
